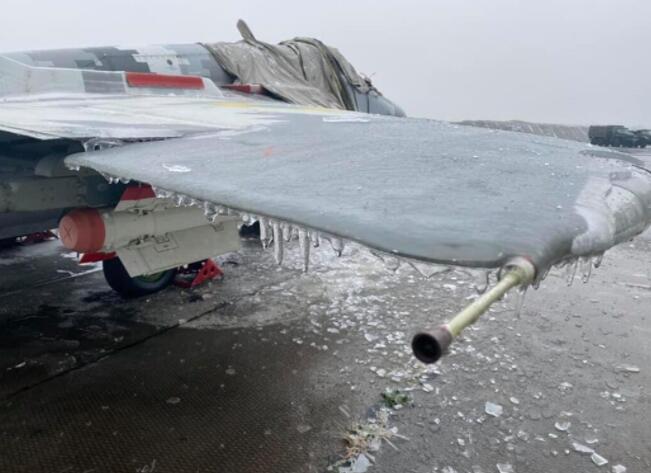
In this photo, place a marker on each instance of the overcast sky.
(566, 61)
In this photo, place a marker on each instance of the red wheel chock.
(203, 271)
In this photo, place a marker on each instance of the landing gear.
(120, 281)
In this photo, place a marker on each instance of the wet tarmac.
(267, 369)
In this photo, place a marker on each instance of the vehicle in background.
(616, 136)
(644, 137)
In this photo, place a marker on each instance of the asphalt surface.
(265, 370)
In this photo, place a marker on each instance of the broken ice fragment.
(505, 468)
(628, 368)
(514, 400)
(493, 409)
(563, 426)
(303, 428)
(579, 447)
(357, 465)
(565, 386)
(618, 469)
(598, 459)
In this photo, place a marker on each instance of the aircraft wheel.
(117, 277)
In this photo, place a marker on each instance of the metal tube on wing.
(428, 347)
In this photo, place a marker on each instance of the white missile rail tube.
(428, 347)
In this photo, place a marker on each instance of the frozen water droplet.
(265, 237)
(315, 239)
(288, 230)
(597, 260)
(173, 400)
(482, 282)
(209, 210)
(493, 409)
(337, 245)
(520, 294)
(304, 245)
(392, 263)
(514, 400)
(541, 278)
(563, 425)
(278, 242)
(586, 269)
(570, 271)
(598, 459)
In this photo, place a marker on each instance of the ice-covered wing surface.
(417, 188)
(566, 132)
(134, 117)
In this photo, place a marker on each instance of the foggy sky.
(564, 61)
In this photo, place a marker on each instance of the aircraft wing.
(416, 188)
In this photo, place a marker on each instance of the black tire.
(8, 242)
(117, 277)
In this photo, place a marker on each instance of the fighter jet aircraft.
(148, 159)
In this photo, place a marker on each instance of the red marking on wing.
(163, 81)
(138, 193)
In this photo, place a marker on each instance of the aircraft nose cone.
(82, 230)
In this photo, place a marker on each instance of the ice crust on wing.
(614, 210)
(594, 210)
(276, 233)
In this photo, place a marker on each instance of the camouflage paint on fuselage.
(185, 59)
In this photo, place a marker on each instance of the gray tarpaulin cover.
(302, 71)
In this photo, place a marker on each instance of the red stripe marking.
(245, 88)
(163, 81)
(95, 257)
(138, 192)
